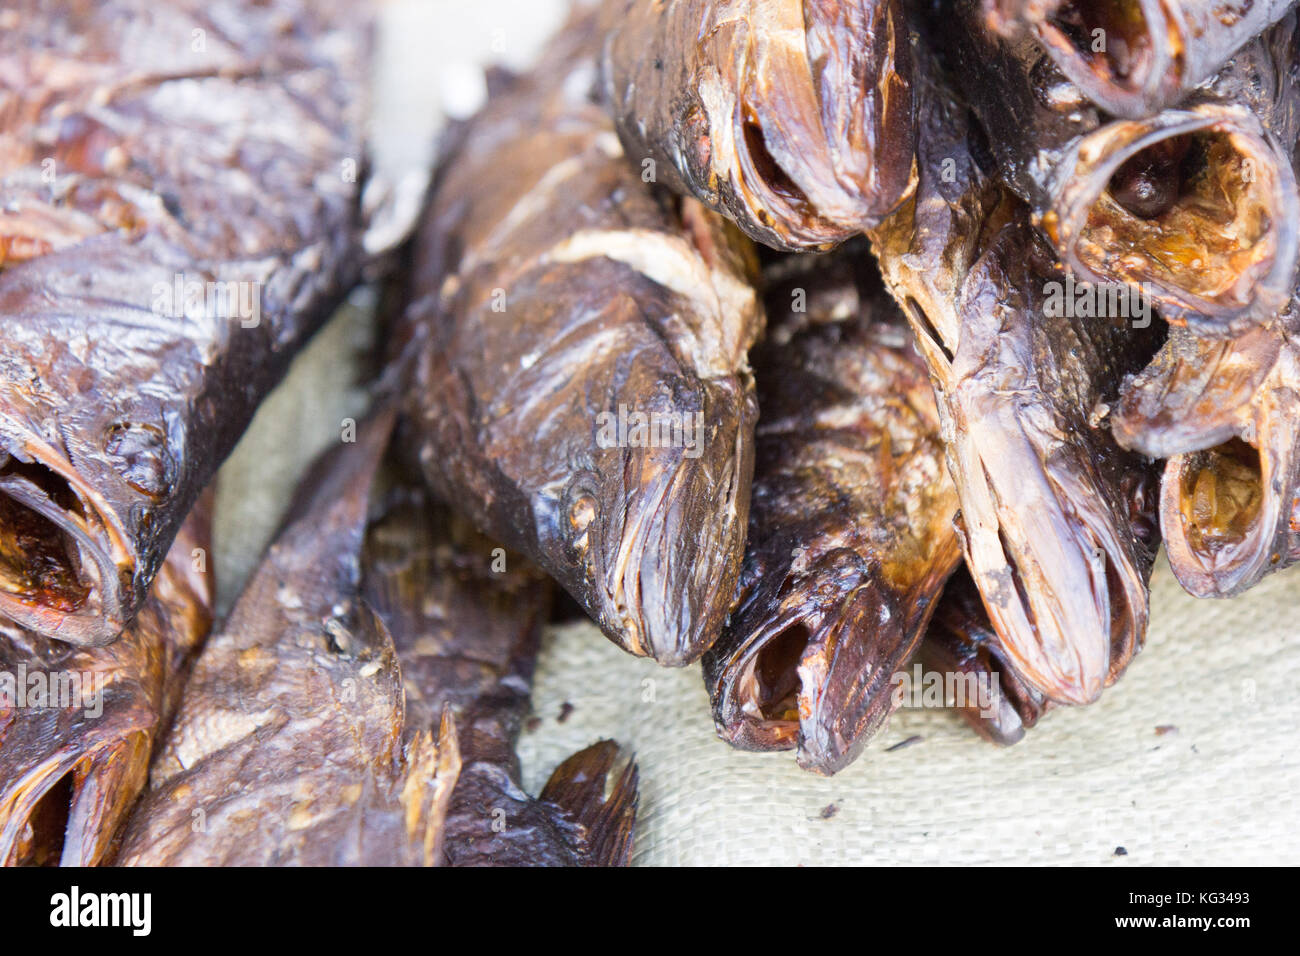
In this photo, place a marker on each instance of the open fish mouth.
(1066, 595)
(798, 104)
(665, 562)
(57, 576)
(1228, 512)
(816, 673)
(1196, 204)
(1125, 73)
(65, 809)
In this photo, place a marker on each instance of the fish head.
(1197, 206)
(1055, 549)
(816, 133)
(809, 658)
(659, 525)
(1228, 513)
(1120, 53)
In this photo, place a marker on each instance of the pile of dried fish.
(742, 322)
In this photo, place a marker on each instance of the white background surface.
(1221, 788)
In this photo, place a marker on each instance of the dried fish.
(288, 745)
(380, 656)
(793, 117)
(181, 212)
(77, 725)
(466, 620)
(1197, 205)
(1057, 520)
(581, 388)
(1136, 57)
(1223, 413)
(961, 645)
(850, 534)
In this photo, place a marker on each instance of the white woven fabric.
(1220, 789)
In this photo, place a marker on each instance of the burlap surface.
(1216, 784)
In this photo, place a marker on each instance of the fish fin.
(596, 789)
(433, 767)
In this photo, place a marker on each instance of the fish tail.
(596, 789)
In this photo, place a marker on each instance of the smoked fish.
(1196, 205)
(373, 667)
(1057, 520)
(1223, 413)
(1134, 58)
(578, 339)
(180, 184)
(792, 117)
(73, 760)
(850, 529)
(466, 620)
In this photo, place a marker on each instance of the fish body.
(466, 620)
(580, 384)
(1057, 520)
(373, 666)
(850, 536)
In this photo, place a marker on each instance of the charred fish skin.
(98, 740)
(1057, 520)
(466, 619)
(850, 535)
(580, 384)
(961, 643)
(159, 265)
(1197, 204)
(792, 118)
(303, 676)
(1134, 58)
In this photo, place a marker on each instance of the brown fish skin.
(103, 760)
(554, 290)
(466, 620)
(379, 654)
(1057, 520)
(116, 407)
(961, 643)
(850, 535)
(289, 746)
(1212, 235)
(1155, 51)
(791, 117)
(1192, 395)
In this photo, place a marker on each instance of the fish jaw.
(809, 89)
(847, 670)
(669, 547)
(1229, 513)
(1137, 81)
(40, 489)
(813, 670)
(1194, 394)
(1063, 591)
(1218, 283)
(107, 773)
